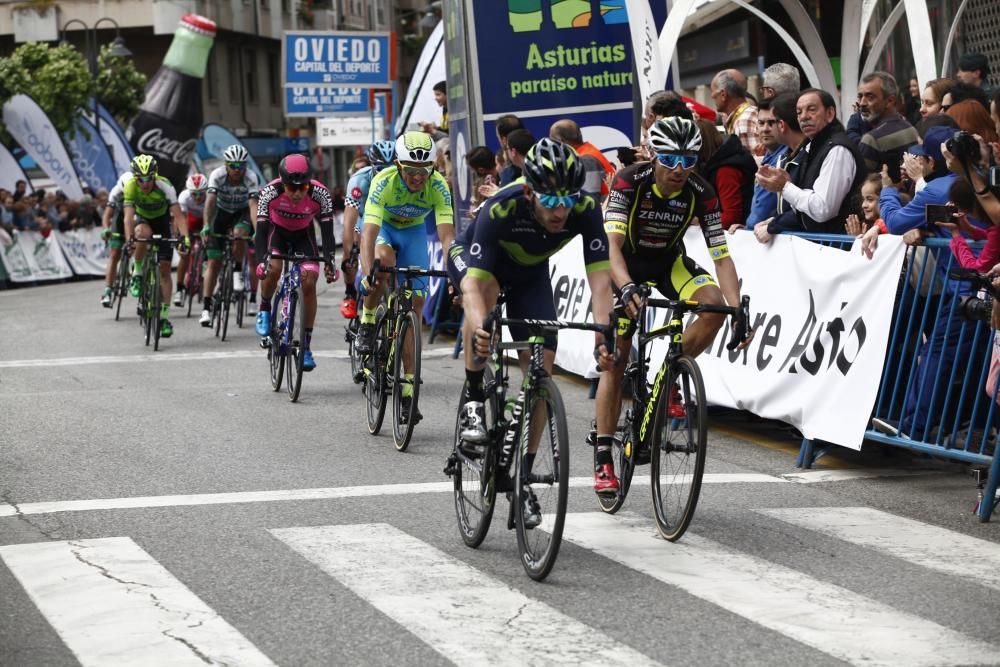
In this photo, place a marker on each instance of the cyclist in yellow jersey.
(151, 208)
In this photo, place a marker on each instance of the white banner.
(29, 125)
(86, 252)
(28, 256)
(645, 48)
(823, 318)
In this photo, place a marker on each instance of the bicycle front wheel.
(156, 298)
(680, 437)
(542, 484)
(475, 479)
(120, 287)
(623, 462)
(404, 416)
(375, 379)
(296, 336)
(357, 363)
(227, 299)
(274, 347)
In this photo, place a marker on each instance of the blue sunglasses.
(673, 160)
(553, 201)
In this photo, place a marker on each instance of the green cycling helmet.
(144, 165)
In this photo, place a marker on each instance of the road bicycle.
(397, 330)
(285, 344)
(536, 480)
(242, 298)
(119, 287)
(225, 295)
(150, 296)
(192, 280)
(666, 425)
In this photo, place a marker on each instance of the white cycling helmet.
(674, 134)
(235, 153)
(196, 183)
(416, 147)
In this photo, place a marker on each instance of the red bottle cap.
(199, 24)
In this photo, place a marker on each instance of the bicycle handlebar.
(412, 271)
(298, 257)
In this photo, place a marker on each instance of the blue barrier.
(931, 398)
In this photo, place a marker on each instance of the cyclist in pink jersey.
(286, 208)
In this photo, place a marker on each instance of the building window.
(274, 77)
(211, 84)
(286, 7)
(233, 56)
(250, 73)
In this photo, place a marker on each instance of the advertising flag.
(113, 135)
(31, 128)
(652, 75)
(91, 156)
(10, 171)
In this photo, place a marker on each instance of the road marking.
(816, 476)
(913, 541)
(827, 617)
(468, 617)
(332, 493)
(111, 603)
(433, 353)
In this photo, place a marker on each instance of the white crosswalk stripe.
(830, 618)
(113, 604)
(914, 541)
(468, 617)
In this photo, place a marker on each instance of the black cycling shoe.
(366, 339)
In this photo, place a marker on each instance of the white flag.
(645, 48)
(31, 127)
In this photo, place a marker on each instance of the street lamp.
(118, 50)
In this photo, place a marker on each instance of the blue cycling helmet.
(381, 153)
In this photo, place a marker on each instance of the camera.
(971, 307)
(964, 146)
(938, 213)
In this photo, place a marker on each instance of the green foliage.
(56, 77)
(120, 86)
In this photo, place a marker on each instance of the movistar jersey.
(653, 222)
(153, 204)
(506, 228)
(232, 198)
(358, 188)
(390, 201)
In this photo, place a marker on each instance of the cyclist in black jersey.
(650, 207)
(508, 246)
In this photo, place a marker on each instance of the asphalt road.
(226, 525)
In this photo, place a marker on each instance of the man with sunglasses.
(380, 155)
(650, 207)
(508, 247)
(192, 203)
(230, 204)
(151, 208)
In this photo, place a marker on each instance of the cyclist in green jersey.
(151, 208)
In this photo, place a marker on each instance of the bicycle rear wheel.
(375, 379)
(678, 450)
(146, 300)
(120, 287)
(475, 480)
(357, 363)
(274, 348)
(622, 460)
(192, 283)
(547, 480)
(296, 337)
(156, 299)
(227, 299)
(408, 326)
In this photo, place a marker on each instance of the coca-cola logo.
(154, 143)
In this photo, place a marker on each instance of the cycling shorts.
(160, 226)
(527, 289)
(225, 221)
(680, 281)
(410, 245)
(276, 239)
(117, 239)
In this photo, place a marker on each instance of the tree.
(120, 86)
(57, 77)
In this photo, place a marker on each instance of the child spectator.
(870, 191)
(963, 197)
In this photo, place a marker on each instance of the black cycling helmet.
(295, 170)
(553, 168)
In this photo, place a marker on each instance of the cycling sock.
(602, 454)
(407, 384)
(164, 310)
(367, 316)
(208, 302)
(264, 305)
(253, 297)
(137, 266)
(309, 337)
(529, 460)
(350, 292)
(475, 382)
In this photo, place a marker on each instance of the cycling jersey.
(506, 233)
(358, 188)
(653, 222)
(117, 195)
(232, 198)
(276, 209)
(154, 204)
(390, 201)
(191, 207)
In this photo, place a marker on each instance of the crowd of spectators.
(44, 210)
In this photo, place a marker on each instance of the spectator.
(599, 171)
(911, 102)
(443, 162)
(961, 92)
(729, 92)
(764, 204)
(891, 134)
(827, 183)
(973, 118)
(963, 197)
(661, 104)
(440, 130)
(723, 162)
(933, 97)
(870, 190)
(6, 210)
(974, 69)
(20, 190)
(780, 78)
(505, 125)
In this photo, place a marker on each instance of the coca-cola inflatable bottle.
(170, 118)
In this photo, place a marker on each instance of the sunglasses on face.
(145, 179)
(296, 187)
(415, 171)
(238, 166)
(553, 201)
(673, 160)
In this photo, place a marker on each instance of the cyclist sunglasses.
(552, 201)
(673, 160)
(239, 166)
(414, 171)
(296, 187)
(146, 179)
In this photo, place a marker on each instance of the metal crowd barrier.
(932, 396)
